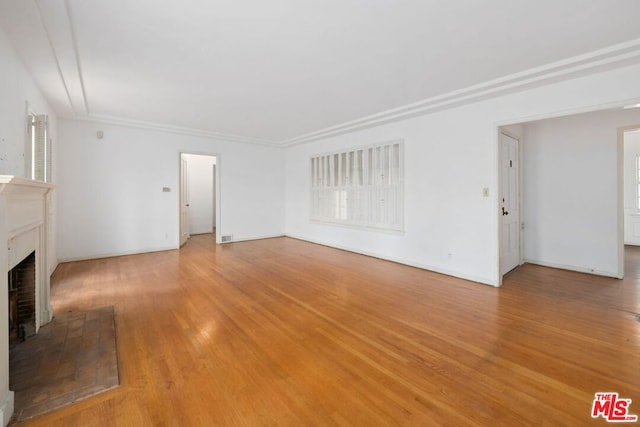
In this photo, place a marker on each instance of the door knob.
(504, 212)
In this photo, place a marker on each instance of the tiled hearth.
(70, 359)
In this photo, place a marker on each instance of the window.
(360, 187)
(38, 149)
(638, 182)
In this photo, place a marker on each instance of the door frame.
(621, 132)
(619, 189)
(217, 188)
(501, 131)
(183, 214)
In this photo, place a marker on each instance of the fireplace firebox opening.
(22, 300)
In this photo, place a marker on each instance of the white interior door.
(184, 202)
(509, 203)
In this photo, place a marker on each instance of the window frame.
(361, 187)
(637, 186)
(38, 148)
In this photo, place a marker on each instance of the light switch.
(485, 192)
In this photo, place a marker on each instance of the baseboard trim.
(574, 268)
(470, 277)
(423, 266)
(145, 251)
(116, 254)
(247, 239)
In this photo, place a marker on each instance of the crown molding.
(139, 124)
(604, 59)
(589, 63)
(57, 25)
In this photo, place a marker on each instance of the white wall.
(200, 190)
(571, 190)
(17, 88)
(449, 157)
(111, 200)
(631, 212)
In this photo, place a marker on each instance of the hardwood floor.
(284, 332)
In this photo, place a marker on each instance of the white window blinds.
(39, 149)
(361, 187)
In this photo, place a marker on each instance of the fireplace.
(24, 269)
(22, 300)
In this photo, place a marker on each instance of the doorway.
(570, 192)
(199, 206)
(631, 179)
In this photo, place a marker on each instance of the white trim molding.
(61, 38)
(139, 124)
(608, 58)
(403, 261)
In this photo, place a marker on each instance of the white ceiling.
(279, 70)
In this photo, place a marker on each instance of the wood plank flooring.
(281, 332)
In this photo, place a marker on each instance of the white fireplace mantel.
(24, 225)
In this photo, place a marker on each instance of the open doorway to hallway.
(572, 205)
(631, 178)
(199, 201)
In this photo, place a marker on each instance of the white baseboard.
(116, 254)
(144, 251)
(247, 239)
(6, 408)
(574, 268)
(472, 278)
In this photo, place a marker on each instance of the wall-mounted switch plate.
(485, 192)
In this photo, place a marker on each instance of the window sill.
(357, 226)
